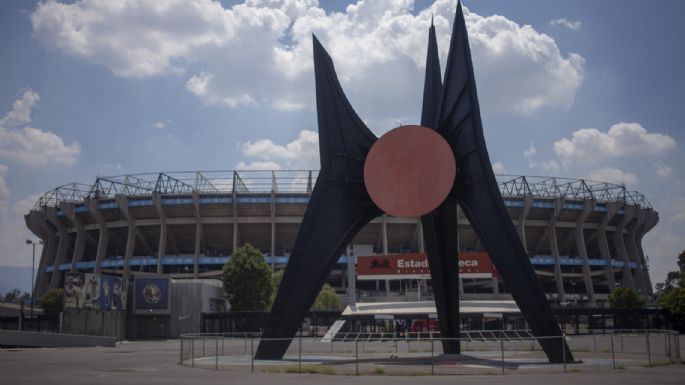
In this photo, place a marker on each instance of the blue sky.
(580, 89)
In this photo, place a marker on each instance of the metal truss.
(301, 181)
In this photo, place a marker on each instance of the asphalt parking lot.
(156, 362)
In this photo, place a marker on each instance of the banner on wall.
(91, 291)
(151, 295)
(415, 266)
(73, 290)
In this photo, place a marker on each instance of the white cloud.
(612, 175)
(33, 146)
(24, 205)
(562, 22)
(256, 165)
(678, 210)
(300, 154)
(20, 114)
(498, 168)
(662, 170)
(162, 124)
(530, 154)
(259, 52)
(589, 146)
(13, 231)
(552, 167)
(4, 190)
(662, 248)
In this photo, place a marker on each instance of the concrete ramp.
(51, 340)
(335, 328)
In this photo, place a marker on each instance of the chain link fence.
(377, 353)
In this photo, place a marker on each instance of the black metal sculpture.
(340, 205)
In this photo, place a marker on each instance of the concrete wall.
(95, 323)
(189, 299)
(51, 340)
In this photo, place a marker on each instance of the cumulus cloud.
(259, 52)
(13, 231)
(612, 175)
(562, 22)
(498, 168)
(677, 210)
(530, 154)
(300, 154)
(552, 167)
(661, 170)
(4, 190)
(589, 146)
(33, 146)
(20, 114)
(256, 165)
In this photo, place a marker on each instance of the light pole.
(33, 267)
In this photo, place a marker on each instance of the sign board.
(151, 295)
(91, 291)
(415, 266)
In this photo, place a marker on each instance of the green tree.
(327, 299)
(681, 260)
(673, 300)
(52, 301)
(276, 279)
(247, 280)
(12, 296)
(625, 298)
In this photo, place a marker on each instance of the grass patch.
(378, 371)
(658, 363)
(309, 369)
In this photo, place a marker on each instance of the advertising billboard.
(415, 266)
(73, 290)
(91, 291)
(151, 295)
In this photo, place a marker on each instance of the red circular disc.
(409, 171)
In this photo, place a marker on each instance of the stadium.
(583, 238)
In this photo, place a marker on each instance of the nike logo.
(182, 317)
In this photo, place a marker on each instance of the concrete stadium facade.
(584, 238)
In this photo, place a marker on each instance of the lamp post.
(33, 267)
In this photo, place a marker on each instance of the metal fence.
(421, 354)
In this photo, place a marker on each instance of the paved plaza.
(156, 362)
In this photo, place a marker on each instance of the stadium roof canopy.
(301, 181)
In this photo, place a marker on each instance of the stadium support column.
(351, 279)
(273, 222)
(582, 249)
(62, 245)
(51, 254)
(652, 218)
(461, 221)
(35, 221)
(633, 256)
(604, 246)
(236, 229)
(161, 250)
(133, 233)
(554, 246)
(103, 240)
(68, 210)
(619, 242)
(199, 235)
(420, 240)
(384, 234)
(527, 204)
